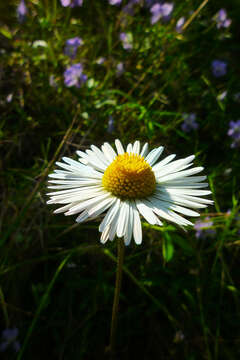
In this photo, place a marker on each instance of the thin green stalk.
(116, 296)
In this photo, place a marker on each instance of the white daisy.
(125, 185)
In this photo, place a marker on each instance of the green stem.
(116, 296)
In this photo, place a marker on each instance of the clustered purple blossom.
(22, 11)
(222, 20)
(161, 11)
(9, 337)
(126, 39)
(189, 123)
(234, 132)
(180, 24)
(114, 2)
(71, 3)
(73, 76)
(219, 68)
(203, 228)
(71, 46)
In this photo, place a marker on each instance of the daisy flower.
(126, 184)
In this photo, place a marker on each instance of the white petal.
(136, 147)
(74, 191)
(98, 209)
(164, 162)
(87, 204)
(187, 180)
(100, 155)
(146, 212)
(173, 166)
(119, 147)
(129, 227)
(94, 211)
(110, 215)
(153, 156)
(180, 174)
(108, 152)
(129, 149)
(105, 235)
(161, 209)
(114, 224)
(63, 209)
(77, 182)
(122, 219)
(144, 150)
(137, 227)
(180, 201)
(182, 210)
(180, 191)
(63, 199)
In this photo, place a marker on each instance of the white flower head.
(125, 185)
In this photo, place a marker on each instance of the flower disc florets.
(129, 176)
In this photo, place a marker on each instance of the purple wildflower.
(222, 20)
(161, 11)
(9, 337)
(203, 228)
(120, 69)
(71, 3)
(234, 132)
(126, 39)
(114, 2)
(189, 123)
(72, 46)
(180, 24)
(22, 11)
(219, 68)
(110, 127)
(73, 76)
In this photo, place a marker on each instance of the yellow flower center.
(129, 176)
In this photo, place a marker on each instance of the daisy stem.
(116, 295)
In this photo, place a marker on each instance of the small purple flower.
(110, 127)
(222, 20)
(234, 132)
(9, 337)
(203, 228)
(71, 3)
(114, 2)
(73, 76)
(120, 69)
(161, 11)
(219, 68)
(126, 39)
(72, 46)
(189, 123)
(22, 11)
(180, 24)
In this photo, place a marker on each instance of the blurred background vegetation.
(173, 82)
